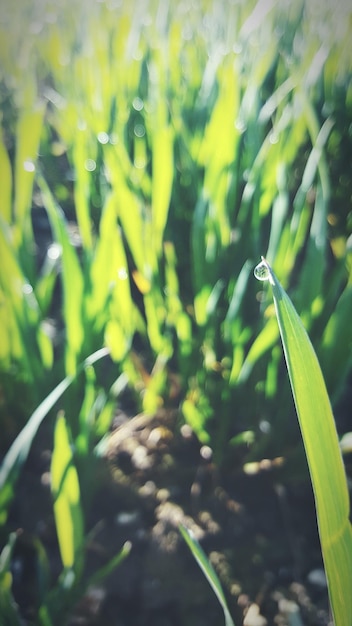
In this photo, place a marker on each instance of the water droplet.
(262, 271)
(28, 165)
(139, 130)
(90, 165)
(114, 139)
(54, 251)
(140, 163)
(265, 426)
(122, 273)
(27, 289)
(103, 137)
(138, 104)
(206, 453)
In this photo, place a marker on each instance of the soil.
(260, 535)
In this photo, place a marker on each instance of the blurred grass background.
(149, 154)
(161, 149)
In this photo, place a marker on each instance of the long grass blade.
(208, 571)
(73, 283)
(66, 493)
(322, 449)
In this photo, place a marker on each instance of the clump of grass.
(182, 158)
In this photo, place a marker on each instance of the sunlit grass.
(181, 141)
(198, 128)
(322, 449)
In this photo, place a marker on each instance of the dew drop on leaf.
(261, 271)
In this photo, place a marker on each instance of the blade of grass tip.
(105, 570)
(18, 452)
(207, 570)
(322, 449)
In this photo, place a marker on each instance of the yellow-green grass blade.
(19, 312)
(163, 169)
(83, 151)
(162, 146)
(207, 570)
(67, 501)
(322, 449)
(72, 280)
(128, 206)
(28, 132)
(110, 295)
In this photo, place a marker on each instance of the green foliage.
(322, 450)
(168, 149)
(188, 144)
(67, 498)
(207, 570)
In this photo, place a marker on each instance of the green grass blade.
(72, 279)
(163, 165)
(19, 313)
(81, 150)
(67, 500)
(322, 450)
(112, 564)
(28, 132)
(208, 571)
(6, 175)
